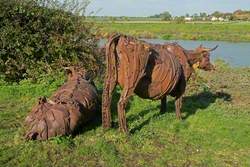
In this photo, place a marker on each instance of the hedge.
(38, 40)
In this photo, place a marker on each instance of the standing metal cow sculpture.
(150, 71)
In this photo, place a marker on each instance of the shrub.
(166, 36)
(39, 40)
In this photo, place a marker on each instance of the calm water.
(236, 54)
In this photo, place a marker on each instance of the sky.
(142, 8)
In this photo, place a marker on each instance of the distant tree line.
(166, 16)
(203, 16)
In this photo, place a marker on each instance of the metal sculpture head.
(204, 58)
(37, 129)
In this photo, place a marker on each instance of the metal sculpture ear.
(196, 65)
(42, 100)
(69, 71)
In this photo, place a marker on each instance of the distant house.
(217, 19)
(221, 19)
(214, 19)
(188, 18)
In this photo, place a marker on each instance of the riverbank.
(214, 132)
(234, 32)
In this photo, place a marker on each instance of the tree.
(217, 14)
(166, 16)
(180, 19)
(195, 16)
(203, 14)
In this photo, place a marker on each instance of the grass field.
(215, 130)
(192, 31)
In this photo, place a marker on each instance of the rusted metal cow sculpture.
(139, 68)
(150, 71)
(73, 104)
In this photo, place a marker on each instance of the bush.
(39, 40)
(166, 36)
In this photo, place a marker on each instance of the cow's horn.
(210, 50)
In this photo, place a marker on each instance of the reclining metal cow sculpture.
(73, 104)
(150, 71)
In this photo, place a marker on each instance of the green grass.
(215, 130)
(190, 31)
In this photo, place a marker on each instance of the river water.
(236, 54)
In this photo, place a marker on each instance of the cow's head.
(204, 58)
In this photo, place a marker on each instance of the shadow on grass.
(91, 125)
(142, 114)
(97, 121)
(191, 104)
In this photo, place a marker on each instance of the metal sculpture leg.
(164, 104)
(124, 98)
(106, 102)
(178, 104)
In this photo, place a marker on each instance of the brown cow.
(152, 72)
(73, 104)
(139, 68)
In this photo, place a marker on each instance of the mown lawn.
(190, 31)
(215, 130)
